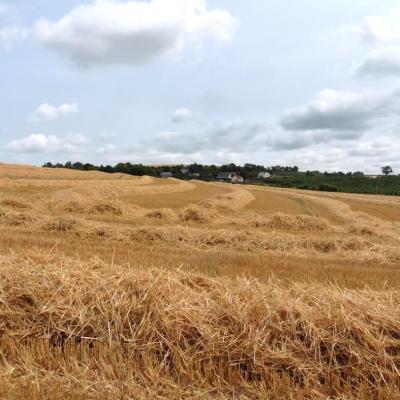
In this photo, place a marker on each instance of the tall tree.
(387, 170)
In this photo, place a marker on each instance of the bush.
(327, 188)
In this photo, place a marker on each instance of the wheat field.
(121, 287)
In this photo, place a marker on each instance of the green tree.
(387, 170)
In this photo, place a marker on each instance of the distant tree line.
(350, 182)
(205, 172)
(281, 176)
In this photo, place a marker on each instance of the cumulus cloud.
(381, 63)
(48, 112)
(331, 159)
(377, 30)
(133, 32)
(106, 149)
(339, 112)
(226, 137)
(41, 143)
(239, 137)
(383, 34)
(373, 149)
(181, 115)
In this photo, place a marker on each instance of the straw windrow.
(124, 328)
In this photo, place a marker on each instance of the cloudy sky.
(307, 82)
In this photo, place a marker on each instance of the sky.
(291, 82)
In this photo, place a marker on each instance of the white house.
(264, 175)
(237, 179)
(233, 177)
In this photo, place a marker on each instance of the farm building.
(264, 175)
(166, 174)
(230, 176)
(237, 179)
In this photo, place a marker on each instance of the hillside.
(116, 286)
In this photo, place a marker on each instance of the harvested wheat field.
(120, 287)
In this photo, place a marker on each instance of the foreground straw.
(72, 329)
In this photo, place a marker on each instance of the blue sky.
(301, 82)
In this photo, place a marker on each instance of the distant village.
(233, 177)
(386, 183)
(227, 173)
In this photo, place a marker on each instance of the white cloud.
(108, 135)
(182, 115)
(239, 137)
(40, 143)
(106, 149)
(330, 159)
(226, 137)
(48, 112)
(373, 149)
(381, 30)
(167, 135)
(382, 33)
(381, 63)
(133, 32)
(339, 111)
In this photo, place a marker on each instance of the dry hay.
(16, 219)
(63, 225)
(246, 240)
(105, 209)
(27, 172)
(78, 204)
(105, 333)
(198, 214)
(164, 214)
(73, 206)
(237, 199)
(360, 229)
(329, 245)
(15, 204)
(104, 233)
(82, 228)
(303, 223)
(80, 328)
